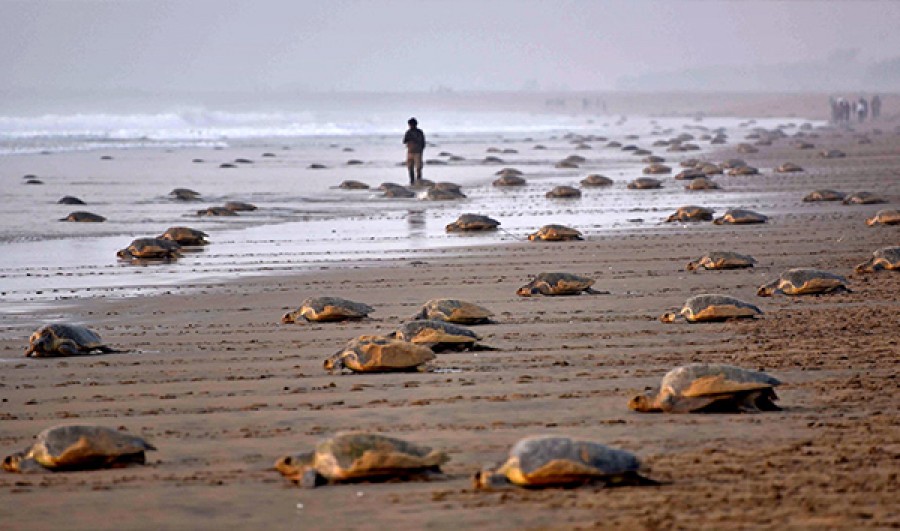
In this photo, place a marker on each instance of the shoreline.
(223, 389)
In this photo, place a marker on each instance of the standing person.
(876, 106)
(415, 146)
(862, 109)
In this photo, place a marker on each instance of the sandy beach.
(222, 389)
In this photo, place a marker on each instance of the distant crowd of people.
(842, 110)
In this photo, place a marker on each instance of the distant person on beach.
(415, 146)
(862, 109)
(876, 106)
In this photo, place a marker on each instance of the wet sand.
(222, 389)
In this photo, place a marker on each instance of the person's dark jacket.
(414, 140)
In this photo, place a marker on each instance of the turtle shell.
(555, 233)
(398, 192)
(739, 216)
(711, 307)
(734, 163)
(556, 284)
(150, 249)
(554, 461)
(832, 154)
(185, 236)
(448, 187)
(722, 260)
(823, 195)
(438, 335)
(378, 354)
(644, 183)
(885, 217)
(691, 213)
(84, 217)
(454, 311)
(184, 194)
(70, 200)
(743, 170)
(239, 206)
(54, 340)
(82, 447)
(804, 281)
(710, 387)
(473, 222)
(884, 258)
(564, 192)
(361, 456)
(437, 194)
(509, 180)
(353, 185)
(216, 211)
(509, 171)
(596, 180)
(701, 183)
(328, 309)
(657, 169)
(863, 198)
(788, 167)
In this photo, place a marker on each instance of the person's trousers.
(414, 165)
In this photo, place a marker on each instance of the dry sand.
(223, 389)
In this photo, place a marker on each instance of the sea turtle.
(56, 340)
(690, 163)
(710, 307)
(832, 154)
(454, 311)
(804, 281)
(556, 461)
(691, 213)
(710, 169)
(350, 457)
(240, 206)
(378, 354)
(400, 192)
(78, 447)
(885, 217)
(743, 170)
(508, 171)
(596, 180)
(884, 258)
(328, 309)
(564, 192)
(557, 284)
(437, 335)
(84, 217)
(577, 159)
(70, 200)
(644, 183)
(701, 387)
(733, 163)
(353, 185)
(448, 187)
(689, 173)
(739, 216)
(701, 183)
(422, 184)
(150, 249)
(472, 222)
(721, 260)
(566, 164)
(509, 180)
(788, 167)
(185, 236)
(216, 211)
(863, 198)
(823, 195)
(184, 194)
(555, 233)
(653, 159)
(657, 169)
(746, 149)
(436, 194)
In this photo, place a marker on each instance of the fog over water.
(265, 46)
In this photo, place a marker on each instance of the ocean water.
(124, 162)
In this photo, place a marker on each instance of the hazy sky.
(389, 45)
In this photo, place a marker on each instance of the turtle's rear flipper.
(630, 479)
(109, 350)
(481, 347)
(592, 291)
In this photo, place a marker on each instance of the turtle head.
(872, 221)
(767, 290)
(527, 290)
(691, 266)
(335, 363)
(668, 317)
(20, 463)
(299, 468)
(488, 480)
(643, 403)
(719, 221)
(40, 343)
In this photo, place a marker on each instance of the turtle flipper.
(68, 348)
(592, 291)
(108, 350)
(312, 479)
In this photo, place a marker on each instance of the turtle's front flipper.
(312, 479)
(69, 348)
(592, 291)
